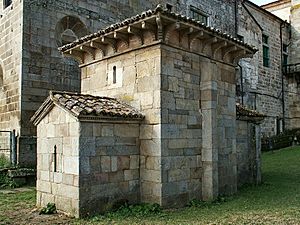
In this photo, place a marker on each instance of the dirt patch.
(31, 216)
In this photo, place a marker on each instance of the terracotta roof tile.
(87, 106)
(243, 111)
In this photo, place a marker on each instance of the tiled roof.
(87, 106)
(150, 13)
(250, 114)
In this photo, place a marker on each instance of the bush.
(6, 181)
(49, 209)
(4, 161)
(282, 140)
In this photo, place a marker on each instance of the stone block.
(146, 131)
(105, 164)
(71, 165)
(126, 130)
(84, 165)
(151, 147)
(116, 177)
(57, 177)
(123, 162)
(44, 175)
(178, 175)
(178, 143)
(151, 175)
(153, 163)
(114, 163)
(107, 131)
(131, 175)
(134, 161)
(43, 186)
(68, 179)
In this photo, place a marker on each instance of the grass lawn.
(276, 201)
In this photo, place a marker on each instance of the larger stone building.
(30, 64)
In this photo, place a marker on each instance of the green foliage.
(49, 209)
(128, 211)
(7, 182)
(139, 210)
(4, 161)
(283, 140)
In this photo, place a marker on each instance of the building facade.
(172, 131)
(30, 64)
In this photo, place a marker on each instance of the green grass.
(276, 201)
(14, 203)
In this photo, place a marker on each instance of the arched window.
(68, 29)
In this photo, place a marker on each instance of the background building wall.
(11, 22)
(263, 85)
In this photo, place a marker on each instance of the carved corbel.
(137, 32)
(218, 46)
(75, 54)
(160, 34)
(208, 41)
(227, 51)
(123, 37)
(237, 55)
(170, 28)
(150, 27)
(99, 46)
(90, 51)
(193, 37)
(111, 42)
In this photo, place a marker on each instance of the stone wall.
(97, 164)
(60, 186)
(248, 155)
(11, 23)
(294, 54)
(109, 166)
(138, 83)
(181, 127)
(44, 69)
(263, 85)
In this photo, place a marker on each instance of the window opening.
(285, 54)
(198, 15)
(6, 3)
(266, 51)
(55, 159)
(114, 74)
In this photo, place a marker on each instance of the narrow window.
(55, 159)
(198, 15)
(6, 3)
(278, 125)
(266, 51)
(114, 74)
(285, 54)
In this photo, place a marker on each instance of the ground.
(276, 201)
